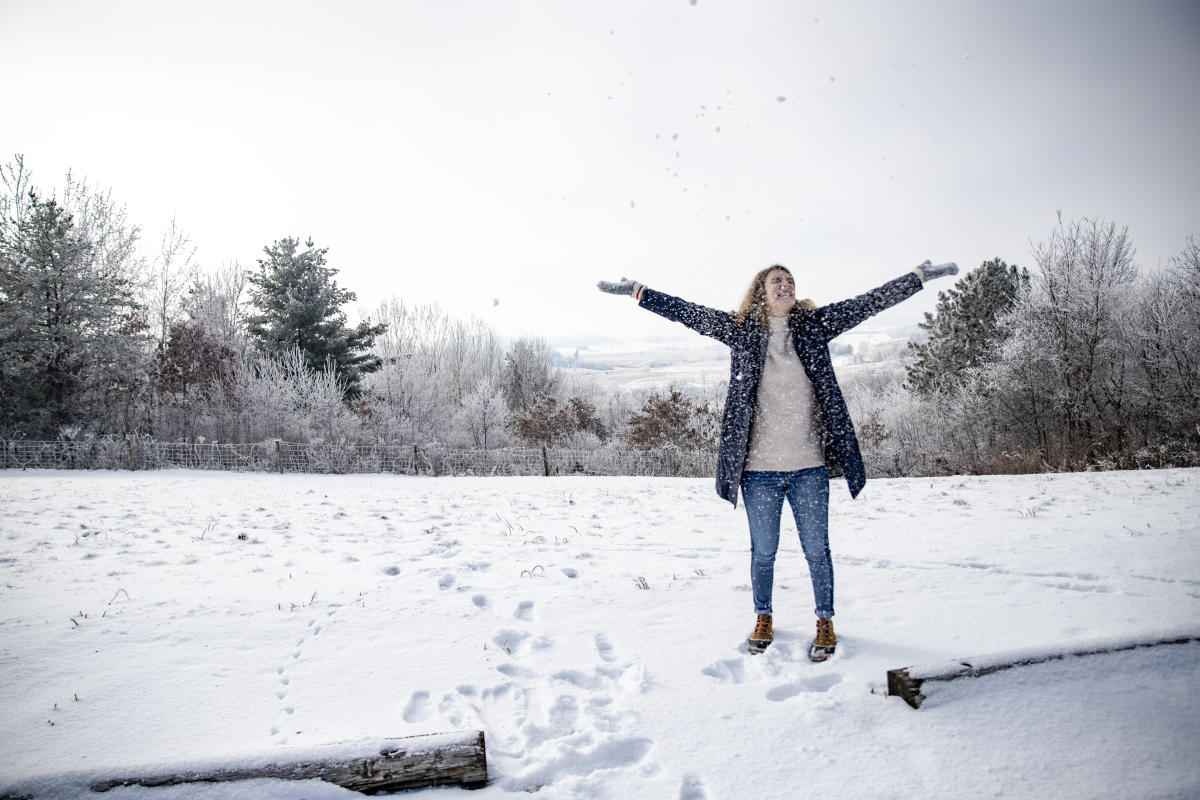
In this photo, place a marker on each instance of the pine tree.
(70, 328)
(964, 330)
(300, 305)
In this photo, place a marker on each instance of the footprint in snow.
(524, 610)
(510, 641)
(692, 788)
(612, 753)
(446, 582)
(418, 708)
(820, 683)
(516, 671)
(481, 601)
(561, 721)
(726, 670)
(604, 648)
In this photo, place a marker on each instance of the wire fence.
(134, 453)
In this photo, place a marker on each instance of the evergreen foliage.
(300, 305)
(1080, 362)
(70, 326)
(965, 329)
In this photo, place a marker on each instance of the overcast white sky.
(468, 151)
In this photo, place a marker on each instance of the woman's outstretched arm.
(702, 319)
(837, 318)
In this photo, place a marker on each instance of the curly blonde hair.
(754, 304)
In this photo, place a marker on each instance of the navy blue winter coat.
(811, 331)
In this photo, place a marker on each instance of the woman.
(786, 428)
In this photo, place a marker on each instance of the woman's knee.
(763, 556)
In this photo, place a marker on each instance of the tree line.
(1080, 362)
(98, 339)
(1083, 362)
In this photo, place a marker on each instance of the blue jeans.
(807, 491)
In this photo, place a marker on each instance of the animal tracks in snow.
(283, 679)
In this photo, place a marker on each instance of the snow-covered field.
(594, 629)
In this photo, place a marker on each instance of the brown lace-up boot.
(825, 641)
(761, 636)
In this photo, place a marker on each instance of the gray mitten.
(928, 271)
(623, 286)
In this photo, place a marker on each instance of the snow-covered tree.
(964, 329)
(551, 422)
(432, 368)
(529, 373)
(482, 416)
(168, 278)
(1163, 331)
(191, 370)
(216, 302)
(1061, 371)
(72, 334)
(300, 305)
(665, 419)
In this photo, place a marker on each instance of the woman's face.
(780, 292)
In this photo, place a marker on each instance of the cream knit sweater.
(785, 435)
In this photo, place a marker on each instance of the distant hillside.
(698, 362)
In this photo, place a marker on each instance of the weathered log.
(906, 682)
(412, 762)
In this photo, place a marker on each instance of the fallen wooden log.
(387, 765)
(906, 682)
